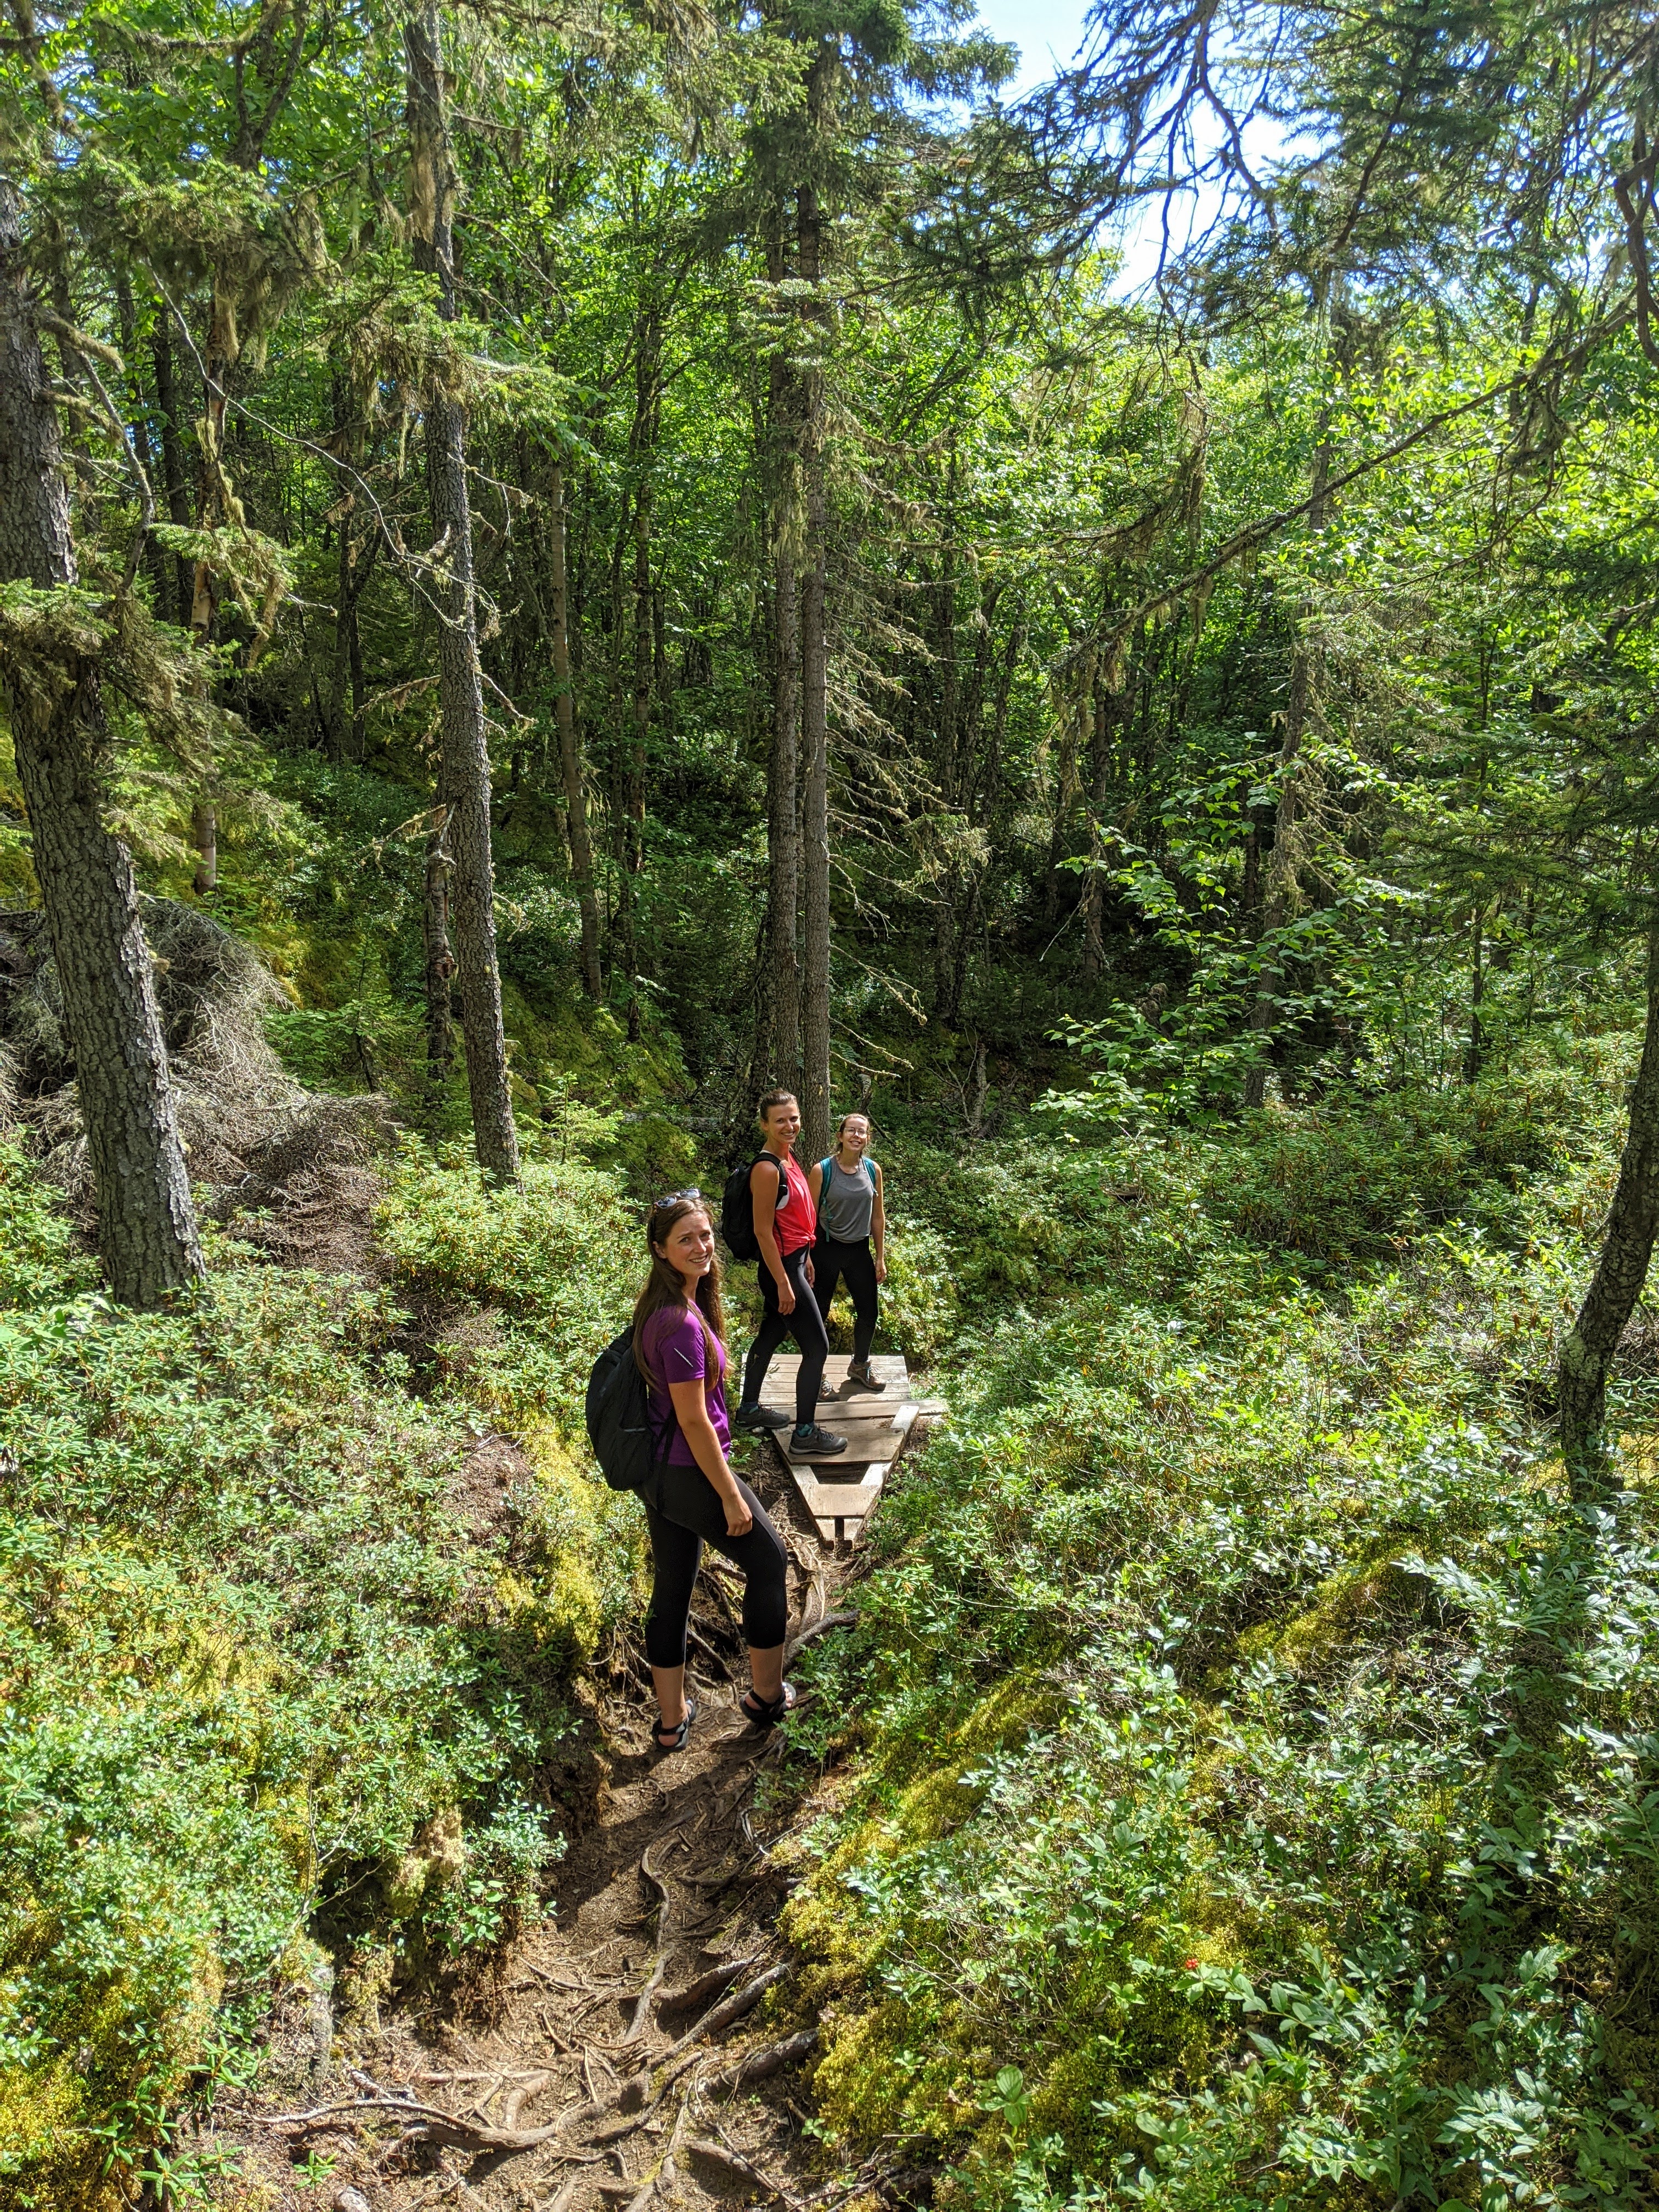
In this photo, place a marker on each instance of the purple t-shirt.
(675, 1352)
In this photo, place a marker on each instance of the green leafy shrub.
(261, 1656)
(1253, 1806)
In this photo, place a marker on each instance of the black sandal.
(673, 1738)
(763, 1713)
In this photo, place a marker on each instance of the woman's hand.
(786, 1295)
(738, 1519)
(881, 1270)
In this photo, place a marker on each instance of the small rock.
(350, 2200)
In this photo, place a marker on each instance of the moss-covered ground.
(1245, 1795)
(1241, 1772)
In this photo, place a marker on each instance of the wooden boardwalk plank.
(840, 1492)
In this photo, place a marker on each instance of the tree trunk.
(440, 961)
(146, 1226)
(155, 557)
(570, 758)
(465, 769)
(204, 835)
(173, 455)
(1620, 1273)
(646, 390)
(782, 1045)
(1279, 901)
(1474, 1055)
(1281, 893)
(355, 561)
(815, 736)
(1094, 891)
(223, 347)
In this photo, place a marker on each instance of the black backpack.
(619, 1425)
(737, 1207)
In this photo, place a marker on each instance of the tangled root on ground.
(293, 1169)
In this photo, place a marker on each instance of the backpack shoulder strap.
(783, 1174)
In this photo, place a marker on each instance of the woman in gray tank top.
(852, 1245)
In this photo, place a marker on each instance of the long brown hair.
(665, 1286)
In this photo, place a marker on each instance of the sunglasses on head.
(673, 1198)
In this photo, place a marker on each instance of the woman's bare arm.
(766, 1234)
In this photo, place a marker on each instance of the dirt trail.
(631, 2052)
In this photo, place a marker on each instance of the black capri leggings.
(856, 1265)
(688, 1514)
(804, 1324)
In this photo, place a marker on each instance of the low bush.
(272, 1662)
(1253, 1806)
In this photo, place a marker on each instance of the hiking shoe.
(814, 1442)
(761, 1417)
(862, 1379)
(828, 1390)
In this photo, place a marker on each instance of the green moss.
(1368, 1592)
(254, 1638)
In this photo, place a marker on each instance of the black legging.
(688, 1514)
(806, 1325)
(856, 1264)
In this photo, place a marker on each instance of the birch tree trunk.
(146, 1225)
(465, 769)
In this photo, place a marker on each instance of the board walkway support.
(842, 1494)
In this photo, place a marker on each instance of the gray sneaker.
(761, 1417)
(814, 1442)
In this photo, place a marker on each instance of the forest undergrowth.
(1238, 1786)
(1254, 1802)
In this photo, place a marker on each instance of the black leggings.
(688, 1514)
(806, 1325)
(856, 1265)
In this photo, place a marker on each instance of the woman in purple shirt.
(692, 1497)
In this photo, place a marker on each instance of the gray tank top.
(846, 1204)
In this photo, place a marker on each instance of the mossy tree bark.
(440, 965)
(781, 1038)
(1620, 1274)
(642, 450)
(570, 758)
(146, 1226)
(815, 730)
(465, 770)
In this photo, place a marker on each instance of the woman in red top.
(692, 1497)
(786, 1223)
